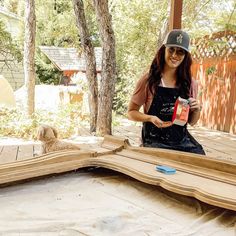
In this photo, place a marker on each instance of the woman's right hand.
(159, 123)
(135, 115)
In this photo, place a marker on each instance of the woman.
(169, 77)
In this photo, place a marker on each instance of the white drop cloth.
(102, 202)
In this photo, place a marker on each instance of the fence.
(214, 68)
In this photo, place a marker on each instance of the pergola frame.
(175, 14)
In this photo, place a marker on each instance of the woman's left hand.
(194, 104)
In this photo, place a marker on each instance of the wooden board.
(207, 179)
(25, 152)
(8, 154)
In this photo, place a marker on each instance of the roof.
(69, 59)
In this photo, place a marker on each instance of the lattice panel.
(219, 44)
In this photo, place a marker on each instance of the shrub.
(15, 123)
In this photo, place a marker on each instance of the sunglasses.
(176, 50)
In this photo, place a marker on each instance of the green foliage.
(123, 92)
(56, 23)
(7, 45)
(136, 25)
(11, 5)
(16, 123)
(210, 70)
(56, 26)
(201, 17)
(46, 72)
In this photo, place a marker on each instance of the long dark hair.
(183, 73)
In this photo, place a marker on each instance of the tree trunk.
(108, 75)
(29, 52)
(88, 51)
(162, 33)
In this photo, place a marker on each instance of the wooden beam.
(175, 14)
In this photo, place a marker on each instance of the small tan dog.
(50, 143)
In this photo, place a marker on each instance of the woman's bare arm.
(135, 115)
(194, 114)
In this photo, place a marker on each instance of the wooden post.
(175, 14)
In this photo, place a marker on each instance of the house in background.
(13, 23)
(12, 70)
(69, 61)
(72, 65)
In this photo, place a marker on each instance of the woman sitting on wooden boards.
(169, 77)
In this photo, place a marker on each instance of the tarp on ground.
(98, 202)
